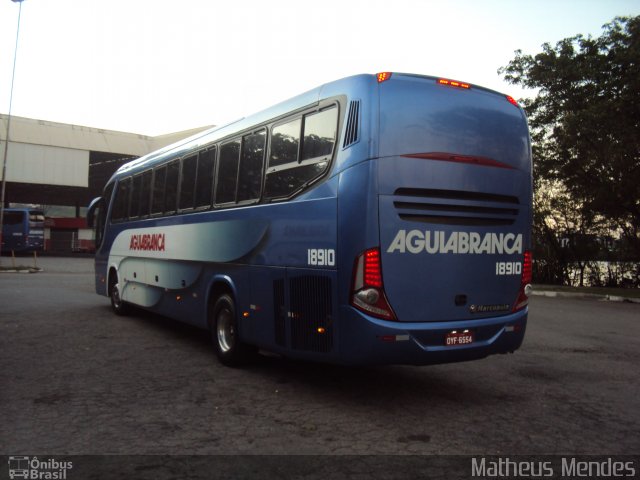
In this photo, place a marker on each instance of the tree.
(585, 121)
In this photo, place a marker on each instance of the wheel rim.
(225, 330)
(115, 295)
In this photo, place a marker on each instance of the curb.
(24, 270)
(592, 296)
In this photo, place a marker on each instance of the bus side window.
(157, 204)
(134, 209)
(121, 201)
(285, 145)
(171, 187)
(108, 192)
(188, 181)
(145, 193)
(287, 173)
(251, 162)
(285, 141)
(228, 172)
(319, 133)
(204, 180)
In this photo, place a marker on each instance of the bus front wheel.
(224, 334)
(117, 304)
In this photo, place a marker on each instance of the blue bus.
(22, 230)
(377, 219)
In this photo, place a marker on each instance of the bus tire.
(119, 306)
(224, 334)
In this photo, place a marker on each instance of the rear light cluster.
(367, 293)
(525, 283)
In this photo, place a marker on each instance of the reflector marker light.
(525, 282)
(394, 338)
(453, 83)
(454, 157)
(383, 76)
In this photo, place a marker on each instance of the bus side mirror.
(92, 210)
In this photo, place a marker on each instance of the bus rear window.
(13, 218)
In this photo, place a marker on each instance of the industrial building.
(60, 167)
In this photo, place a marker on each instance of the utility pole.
(6, 140)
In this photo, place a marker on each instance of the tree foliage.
(585, 121)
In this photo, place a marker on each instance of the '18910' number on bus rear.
(321, 257)
(508, 268)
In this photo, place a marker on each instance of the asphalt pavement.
(78, 380)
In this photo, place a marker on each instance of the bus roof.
(342, 86)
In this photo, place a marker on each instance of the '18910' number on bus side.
(321, 257)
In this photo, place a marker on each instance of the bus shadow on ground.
(458, 384)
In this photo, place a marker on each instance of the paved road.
(75, 379)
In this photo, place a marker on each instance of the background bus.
(22, 230)
(375, 219)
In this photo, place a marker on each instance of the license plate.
(458, 337)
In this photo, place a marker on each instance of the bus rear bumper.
(367, 340)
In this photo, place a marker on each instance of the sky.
(158, 66)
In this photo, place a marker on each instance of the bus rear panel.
(450, 192)
(22, 230)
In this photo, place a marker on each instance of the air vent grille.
(279, 313)
(453, 207)
(310, 313)
(353, 124)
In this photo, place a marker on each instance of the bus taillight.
(525, 283)
(367, 293)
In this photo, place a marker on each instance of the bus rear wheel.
(224, 334)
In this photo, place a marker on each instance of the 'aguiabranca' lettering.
(151, 242)
(417, 241)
